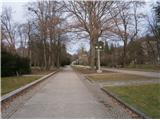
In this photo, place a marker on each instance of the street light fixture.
(99, 47)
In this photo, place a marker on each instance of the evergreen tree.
(156, 9)
(112, 48)
(157, 15)
(106, 47)
(157, 29)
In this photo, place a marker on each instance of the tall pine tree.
(157, 15)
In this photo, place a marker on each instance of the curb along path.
(65, 96)
(13, 100)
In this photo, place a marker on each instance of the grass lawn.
(148, 68)
(9, 84)
(118, 76)
(145, 98)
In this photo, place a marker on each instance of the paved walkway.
(148, 74)
(64, 96)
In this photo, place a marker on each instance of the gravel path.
(66, 96)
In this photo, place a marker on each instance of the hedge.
(12, 65)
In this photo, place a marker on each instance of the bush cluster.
(12, 65)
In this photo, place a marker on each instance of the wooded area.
(43, 39)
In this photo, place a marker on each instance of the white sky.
(19, 16)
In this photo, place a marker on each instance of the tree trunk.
(92, 53)
(58, 54)
(96, 59)
(53, 56)
(124, 53)
(45, 56)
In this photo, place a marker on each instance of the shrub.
(13, 64)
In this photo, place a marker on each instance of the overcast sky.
(19, 16)
(18, 7)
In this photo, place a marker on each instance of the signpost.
(99, 47)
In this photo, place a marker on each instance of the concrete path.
(64, 96)
(148, 74)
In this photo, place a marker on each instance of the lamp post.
(99, 47)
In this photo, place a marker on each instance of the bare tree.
(8, 28)
(48, 23)
(92, 18)
(39, 10)
(127, 23)
(154, 29)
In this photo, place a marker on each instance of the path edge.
(115, 97)
(23, 88)
(141, 114)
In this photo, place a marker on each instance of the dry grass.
(9, 84)
(118, 76)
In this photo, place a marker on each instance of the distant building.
(82, 57)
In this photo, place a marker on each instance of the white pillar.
(99, 63)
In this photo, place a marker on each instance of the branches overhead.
(50, 22)
(90, 16)
(8, 28)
